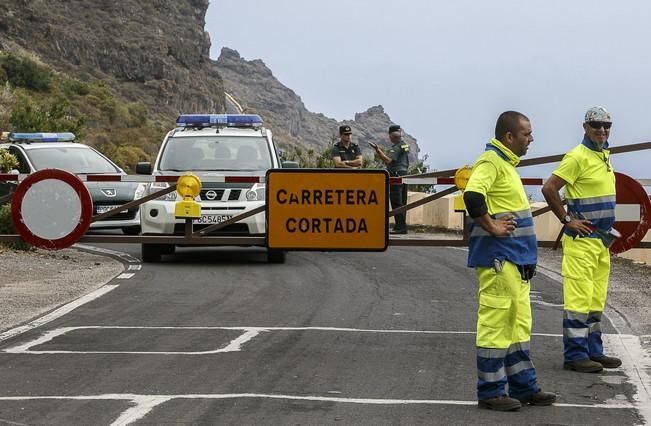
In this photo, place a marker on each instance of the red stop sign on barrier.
(51, 209)
(632, 215)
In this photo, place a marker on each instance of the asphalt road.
(213, 336)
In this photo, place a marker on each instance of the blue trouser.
(503, 334)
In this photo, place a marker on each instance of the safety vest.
(495, 177)
(590, 188)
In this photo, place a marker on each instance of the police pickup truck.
(212, 145)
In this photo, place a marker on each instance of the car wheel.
(275, 256)
(151, 253)
(132, 230)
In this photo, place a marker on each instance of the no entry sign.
(633, 213)
(51, 209)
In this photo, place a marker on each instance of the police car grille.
(234, 194)
(218, 195)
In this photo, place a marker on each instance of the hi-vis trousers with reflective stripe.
(503, 334)
(586, 266)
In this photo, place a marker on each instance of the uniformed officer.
(503, 250)
(345, 153)
(397, 163)
(589, 181)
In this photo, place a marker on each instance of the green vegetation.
(8, 161)
(25, 73)
(33, 98)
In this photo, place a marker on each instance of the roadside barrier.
(638, 209)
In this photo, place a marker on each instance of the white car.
(212, 145)
(36, 151)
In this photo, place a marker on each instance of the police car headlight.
(251, 195)
(140, 191)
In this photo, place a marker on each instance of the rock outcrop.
(155, 52)
(255, 89)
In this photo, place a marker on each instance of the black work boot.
(539, 398)
(608, 361)
(500, 403)
(583, 366)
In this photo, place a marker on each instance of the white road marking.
(134, 267)
(635, 361)
(637, 367)
(144, 404)
(63, 310)
(124, 256)
(233, 346)
(125, 276)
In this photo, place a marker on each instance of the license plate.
(104, 209)
(209, 219)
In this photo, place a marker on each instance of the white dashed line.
(125, 276)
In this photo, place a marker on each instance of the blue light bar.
(219, 120)
(42, 137)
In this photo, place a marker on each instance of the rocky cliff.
(154, 51)
(255, 89)
(157, 52)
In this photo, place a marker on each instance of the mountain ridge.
(146, 54)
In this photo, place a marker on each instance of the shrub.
(73, 87)
(52, 116)
(7, 227)
(25, 73)
(8, 161)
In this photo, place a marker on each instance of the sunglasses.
(599, 124)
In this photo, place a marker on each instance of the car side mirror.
(280, 153)
(290, 165)
(143, 168)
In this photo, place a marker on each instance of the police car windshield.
(78, 159)
(215, 153)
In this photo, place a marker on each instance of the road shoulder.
(35, 282)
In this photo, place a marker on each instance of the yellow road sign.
(327, 209)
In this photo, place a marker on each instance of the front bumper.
(158, 218)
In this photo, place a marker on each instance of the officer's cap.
(345, 130)
(394, 128)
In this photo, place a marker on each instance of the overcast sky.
(444, 70)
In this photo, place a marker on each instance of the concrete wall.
(440, 213)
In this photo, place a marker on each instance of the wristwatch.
(567, 219)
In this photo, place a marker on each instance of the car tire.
(276, 256)
(132, 230)
(151, 253)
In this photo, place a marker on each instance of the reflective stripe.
(578, 316)
(519, 367)
(478, 231)
(575, 333)
(491, 353)
(591, 200)
(522, 346)
(600, 214)
(522, 214)
(492, 377)
(595, 327)
(595, 316)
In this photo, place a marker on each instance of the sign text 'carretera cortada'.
(327, 209)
